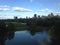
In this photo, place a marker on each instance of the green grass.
(22, 26)
(18, 25)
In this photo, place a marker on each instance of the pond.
(25, 38)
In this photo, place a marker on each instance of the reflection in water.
(29, 37)
(55, 33)
(6, 32)
(32, 37)
(32, 33)
(4, 35)
(25, 38)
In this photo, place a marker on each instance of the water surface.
(27, 38)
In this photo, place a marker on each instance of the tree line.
(51, 20)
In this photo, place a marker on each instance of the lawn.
(20, 26)
(17, 25)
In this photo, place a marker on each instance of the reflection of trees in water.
(5, 33)
(11, 35)
(55, 32)
(36, 29)
(2, 38)
(32, 32)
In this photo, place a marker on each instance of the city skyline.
(23, 8)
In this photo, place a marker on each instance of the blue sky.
(23, 8)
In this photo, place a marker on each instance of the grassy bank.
(23, 26)
(19, 25)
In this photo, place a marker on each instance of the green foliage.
(46, 22)
(55, 33)
(2, 26)
(20, 26)
(10, 26)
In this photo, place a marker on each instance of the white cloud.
(6, 16)
(57, 13)
(19, 9)
(4, 8)
(46, 10)
(50, 11)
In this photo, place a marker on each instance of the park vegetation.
(51, 23)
